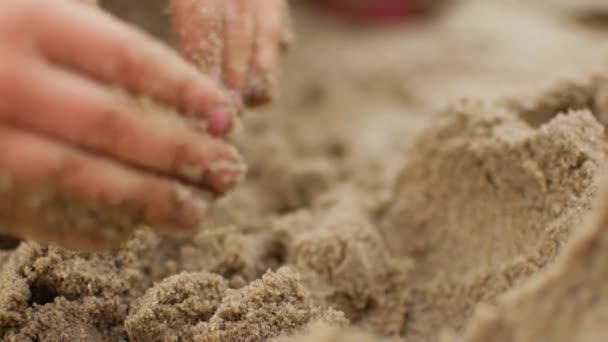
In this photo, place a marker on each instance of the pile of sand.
(488, 224)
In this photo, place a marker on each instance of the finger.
(111, 51)
(82, 112)
(270, 22)
(199, 28)
(238, 42)
(287, 30)
(260, 83)
(57, 176)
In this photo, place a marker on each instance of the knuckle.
(109, 128)
(129, 63)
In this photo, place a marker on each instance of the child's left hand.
(235, 41)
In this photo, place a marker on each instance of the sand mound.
(53, 295)
(591, 95)
(200, 307)
(171, 309)
(344, 262)
(567, 302)
(484, 202)
(483, 187)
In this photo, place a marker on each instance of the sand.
(448, 187)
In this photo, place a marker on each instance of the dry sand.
(379, 206)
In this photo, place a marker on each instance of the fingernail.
(225, 174)
(220, 121)
(226, 180)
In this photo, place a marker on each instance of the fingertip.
(209, 102)
(259, 88)
(220, 121)
(225, 175)
(191, 208)
(183, 209)
(225, 171)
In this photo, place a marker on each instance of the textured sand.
(379, 206)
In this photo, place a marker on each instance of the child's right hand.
(63, 125)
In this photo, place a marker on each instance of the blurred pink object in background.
(374, 10)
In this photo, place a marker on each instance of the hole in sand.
(42, 293)
(8, 243)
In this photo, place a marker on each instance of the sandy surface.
(430, 182)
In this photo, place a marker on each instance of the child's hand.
(64, 126)
(235, 41)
